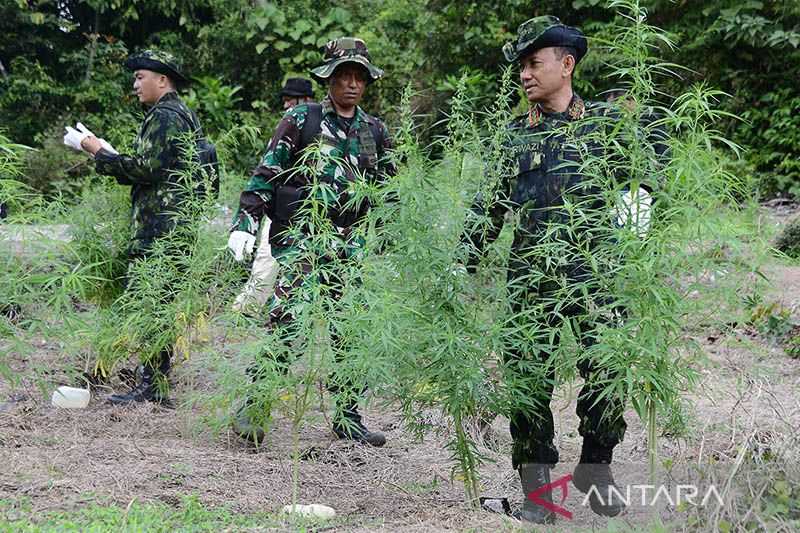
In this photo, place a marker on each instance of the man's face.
(149, 86)
(543, 74)
(291, 101)
(348, 83)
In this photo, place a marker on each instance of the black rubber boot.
(150, 387)
(594, 470)
(349, 426)
(245, 423)
(534, 476)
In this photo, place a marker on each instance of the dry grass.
(746, 402)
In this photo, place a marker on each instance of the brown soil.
(62, 459)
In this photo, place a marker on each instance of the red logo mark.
(562, 482)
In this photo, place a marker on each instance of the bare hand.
(91, 144)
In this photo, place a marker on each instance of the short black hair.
(562, 51)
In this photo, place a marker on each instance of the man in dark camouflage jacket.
(545, 177)
(354, 147)
(151, 172)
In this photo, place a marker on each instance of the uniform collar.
(327, 107)
(166, 97)
(576, 110)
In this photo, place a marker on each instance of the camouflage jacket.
(342, 163)
(151, 170)
(546, 163)
(543, 172)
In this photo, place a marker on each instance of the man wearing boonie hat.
(353, 147)
(150, 173)
(296, 91)
(546, 173)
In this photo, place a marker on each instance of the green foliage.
(30, 99)
(100, 231)
(774, 321)
(295, 33)
(191, 515)
(14, 194)
(771, 319)
(772, 130)
(215, 102)
(745, 48)
(788, 241)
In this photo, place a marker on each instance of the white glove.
(74, 137)
(104, 144)
(633, 210)
(107, 146)
(261, 285)
(241, 243)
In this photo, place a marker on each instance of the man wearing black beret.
(546, 176)
(296, 91)
(152, 171)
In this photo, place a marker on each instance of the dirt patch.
(747, 396)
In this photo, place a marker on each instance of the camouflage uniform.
(343, 163)
(351, 150)
(151, 170)
(157, 191)
(546, 173)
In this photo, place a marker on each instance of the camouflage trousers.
(602, 425)
(286, 304)
(131, 283)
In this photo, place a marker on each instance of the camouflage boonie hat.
(345, 50)
(157, 61)
(543, 32)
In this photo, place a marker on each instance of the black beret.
(297, 87)
(544, 32)
(157, 61)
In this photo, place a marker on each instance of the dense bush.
(788, 241)
(240, 52)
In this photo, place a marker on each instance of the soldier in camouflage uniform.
(151, 172)
(354, 147)
(296, 91)
(545, 173)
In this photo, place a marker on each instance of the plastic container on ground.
(316, 510)
(71, 397)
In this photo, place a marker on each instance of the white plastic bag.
(261, 286)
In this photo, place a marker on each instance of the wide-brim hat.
(345, 50)
(544, 32)
(158, 61)
(297, 87)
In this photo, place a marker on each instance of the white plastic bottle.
(71, 398)
(316, 510)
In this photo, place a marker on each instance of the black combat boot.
(594, 470)
(534, 476)
(348, 425)
(245, 423)
(148, 389)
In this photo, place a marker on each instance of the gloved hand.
(73, 138)
(103, 143)
(633, 210)
(241, 243)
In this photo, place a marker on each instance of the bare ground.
(60, 459)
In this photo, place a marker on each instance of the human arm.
(156, 156)
(258, 195)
